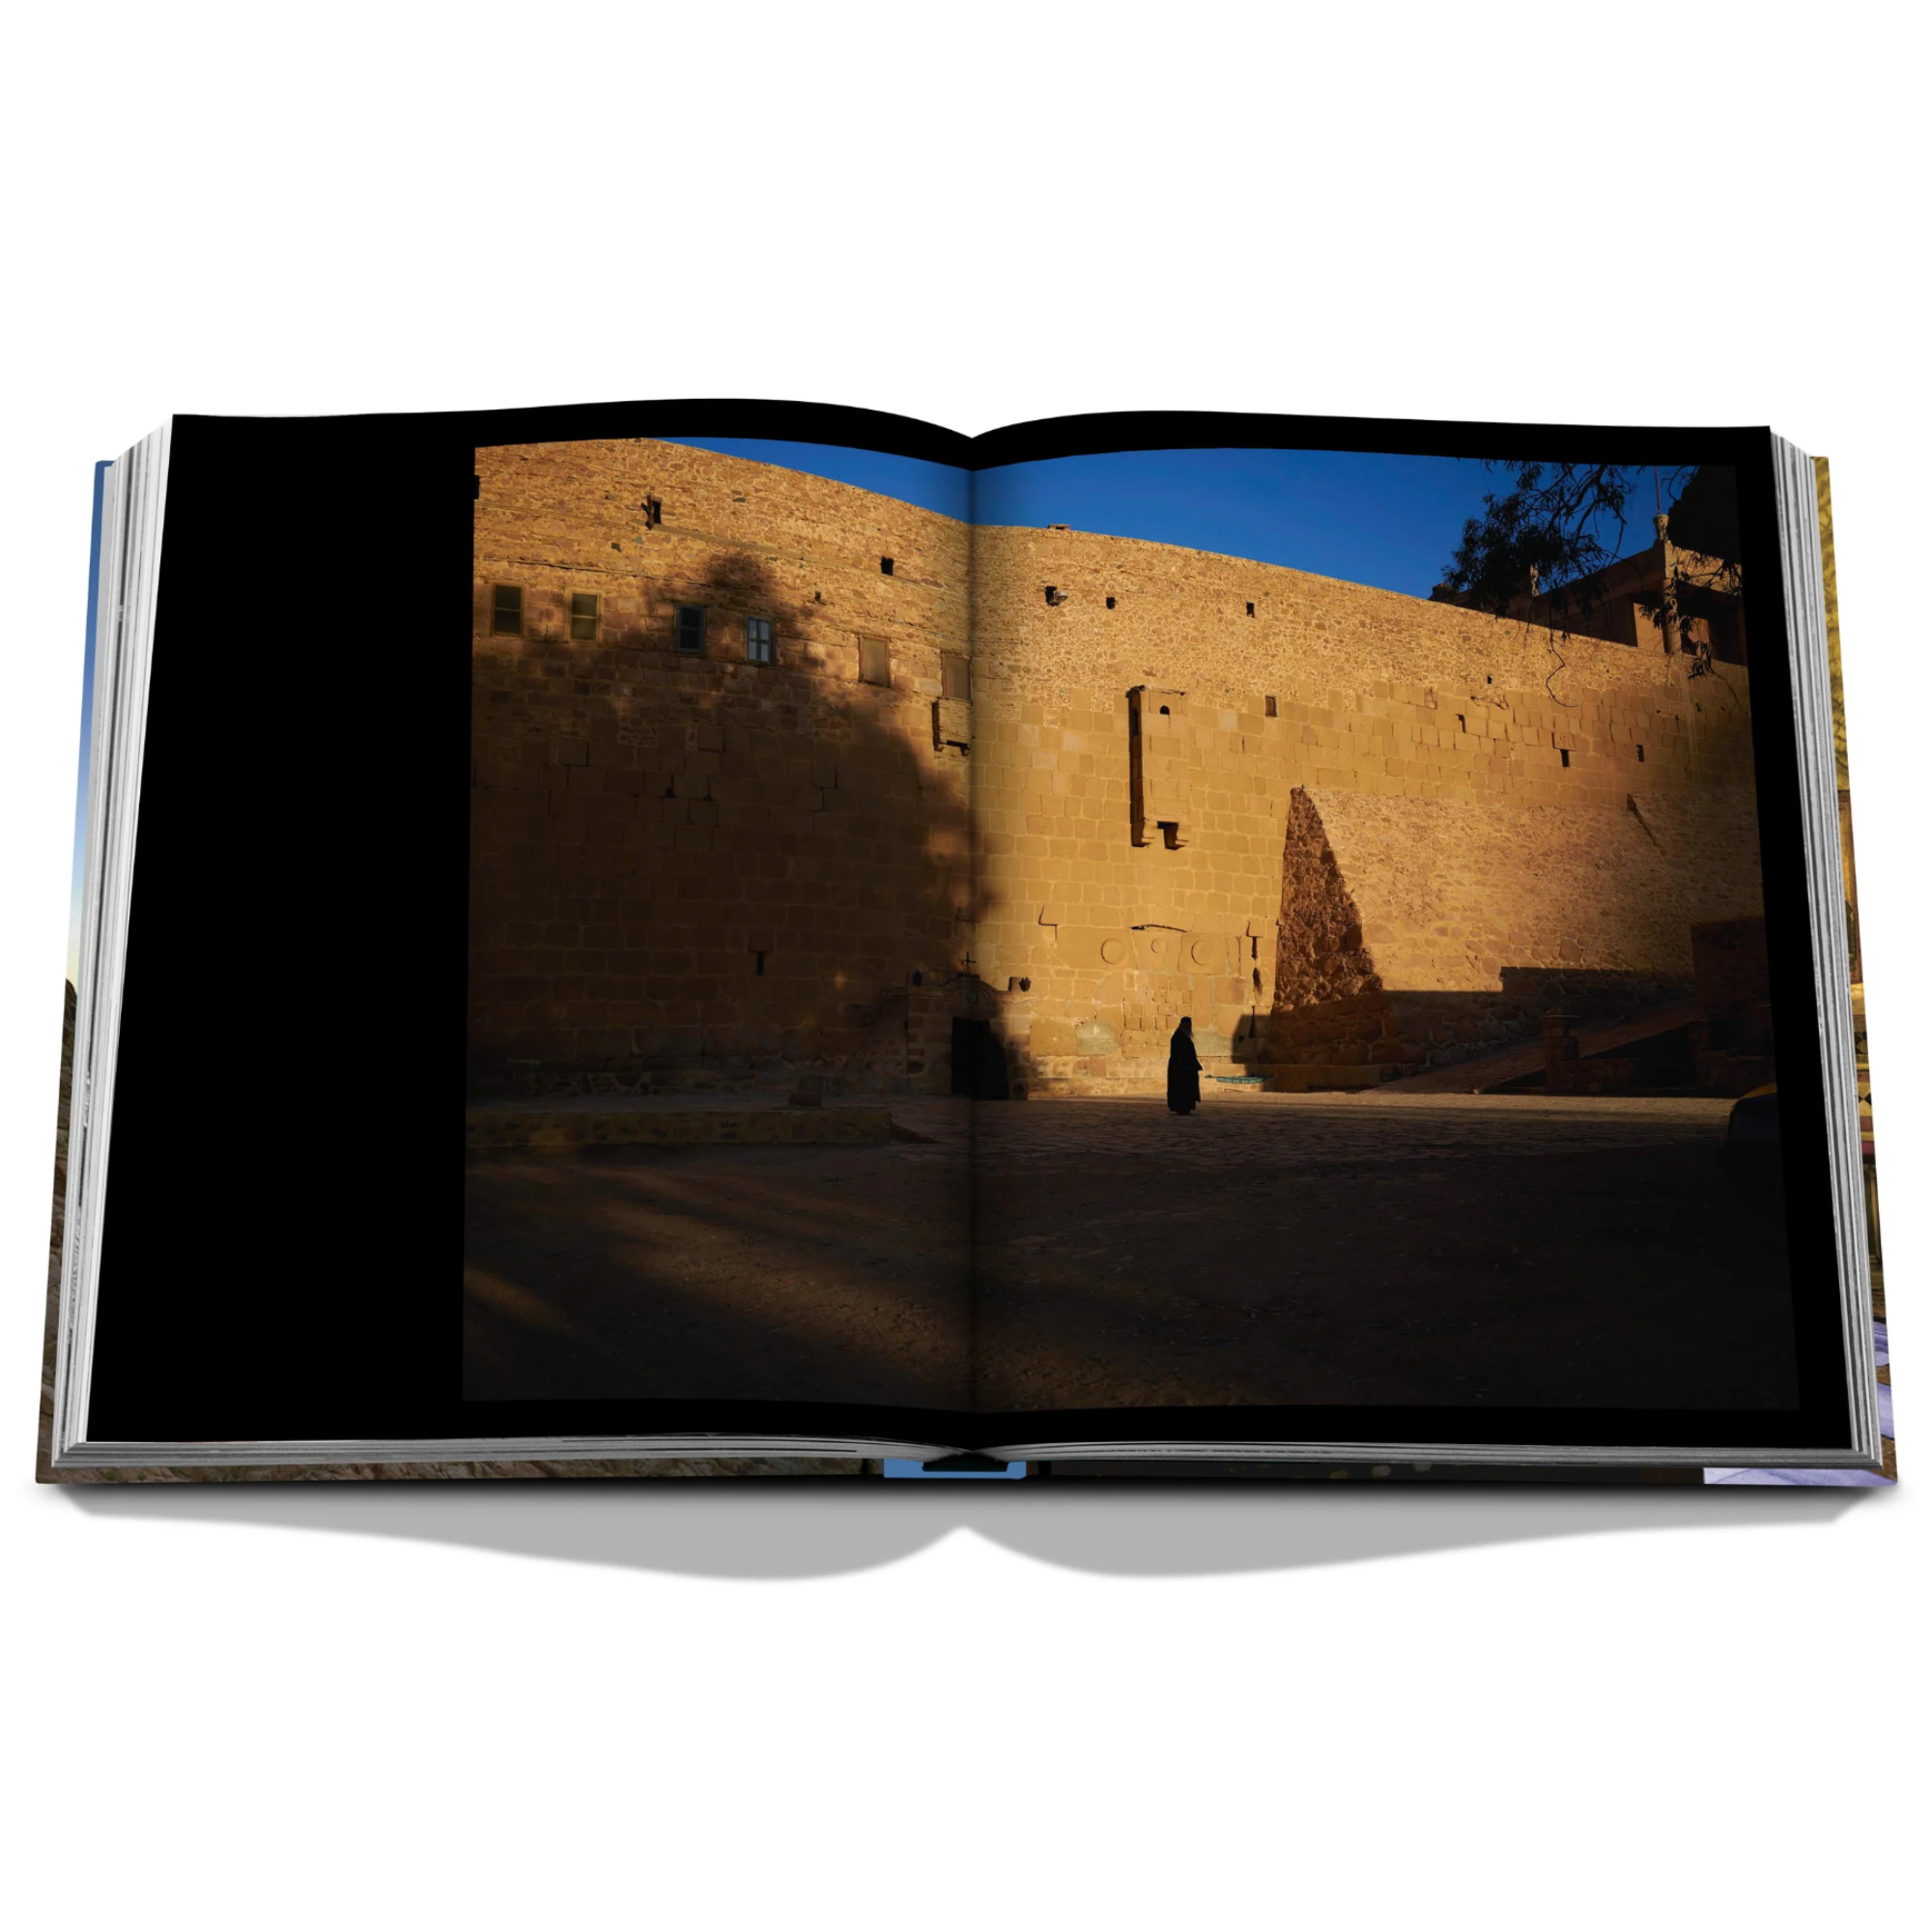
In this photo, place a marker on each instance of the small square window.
(506, 611)
(875, 661)
(1110, 603)
(690, 627)
(654, 512)
(1272, 708)
(1250, 610)
(583, 618)
(955, 677)
(885, 566)
(758, 641)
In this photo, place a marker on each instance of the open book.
(728, 929)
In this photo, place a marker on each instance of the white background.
(967, 1705)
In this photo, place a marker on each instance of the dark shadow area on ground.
(1351, 1253)
(797, 1529)
(830, 1274)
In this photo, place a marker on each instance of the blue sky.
(1389, 521)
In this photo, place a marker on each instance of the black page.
(281, 1254)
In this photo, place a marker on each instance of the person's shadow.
(802, 1527)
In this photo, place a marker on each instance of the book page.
(1381, 965)
(719, 890)
(1888, 1471)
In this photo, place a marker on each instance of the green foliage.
(1550, 532)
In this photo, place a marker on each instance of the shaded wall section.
(1416, 931)
(716, 835)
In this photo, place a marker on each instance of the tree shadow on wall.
(695, 868)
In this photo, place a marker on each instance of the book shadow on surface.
(798, 1527)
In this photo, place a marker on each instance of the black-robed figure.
(1184, 1070)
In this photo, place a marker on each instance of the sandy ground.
(1486, 1250)
(813, 1273)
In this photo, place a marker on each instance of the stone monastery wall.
(1504, 819)
(1351, 833)
(685, 863)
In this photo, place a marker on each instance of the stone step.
(674, 1122)
(1291, 1077)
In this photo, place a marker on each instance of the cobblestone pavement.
(1490, 1250)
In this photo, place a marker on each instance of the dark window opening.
(690, 627)
(955, 677)
(1250, 610)
(1462, 722)
(1640, 755)
(583, 618)
(506, 611)
(1053, 595)
(875, 661)
(1163, 711)
(1019, 984)
(759, 646)
(654, 513)
(1566, 760)
(757, 965)
(1269, 705)
(1489, 680)
(979, 1061)
(1110, 603)
(885, 566)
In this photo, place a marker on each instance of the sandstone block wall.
(1347, 832)
(1395, 829)
(697, 869)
